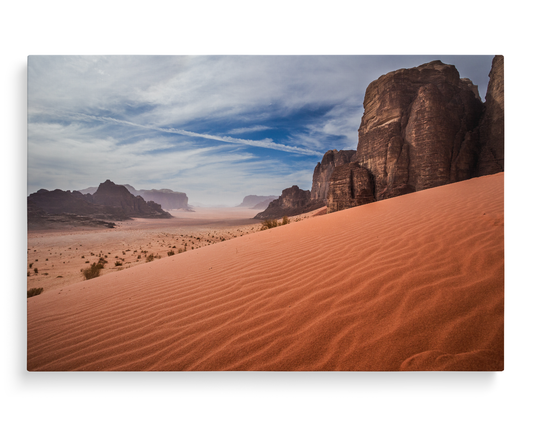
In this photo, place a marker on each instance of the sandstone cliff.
(416, 130)
(293, 201)
(491, 129)
(324, 169)
(422, 127)
(350, 185)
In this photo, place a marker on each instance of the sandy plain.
(62, 253)
(410, 283)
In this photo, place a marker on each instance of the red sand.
(411, 283)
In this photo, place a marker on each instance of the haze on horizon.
(215, 127)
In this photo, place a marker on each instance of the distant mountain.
(167, 198)
(252, 201)
(109, 202)
(112, 195)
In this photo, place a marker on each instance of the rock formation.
(109, 203)
(167, 198)
(323, 170)
(252, 201)
(491, 129)
(58, 202)
(350, 185)
(293, 201)
(417, 129)
(112, 195)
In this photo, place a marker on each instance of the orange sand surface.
(410, 283)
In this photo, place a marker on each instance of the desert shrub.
(269, 223)
(87, 261)
(285, 220)
(139, 256)
(171, 253)
(150, 257)
(36, 270)
(92, 271)
(117, 263)
(34, 291)
(28, 273)
(102, 261)
(31, 264)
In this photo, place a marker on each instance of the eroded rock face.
(110, 194)
(350, 185)
(324, 169)
(293, 201)
(491, 129)
(416, 131)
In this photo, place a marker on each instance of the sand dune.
(410, 283)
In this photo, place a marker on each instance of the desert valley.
(392, 261)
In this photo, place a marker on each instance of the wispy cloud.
(251, 129)
(263, 143)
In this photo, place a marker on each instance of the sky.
(215, 127)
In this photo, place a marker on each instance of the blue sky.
(216, 127)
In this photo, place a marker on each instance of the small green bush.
(34, 291)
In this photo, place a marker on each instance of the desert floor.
(410, 283)
(61, 254)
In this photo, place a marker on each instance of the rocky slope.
(324, 169)
(293, 201)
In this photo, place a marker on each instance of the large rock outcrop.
(491, 129)
(112, 195)
(324, 169)
(350, 185)
(417, 129)
(293, 201)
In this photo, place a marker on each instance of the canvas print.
(265, 213)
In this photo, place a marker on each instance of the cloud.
(264, 143)
(177, 121)
(251, 129)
